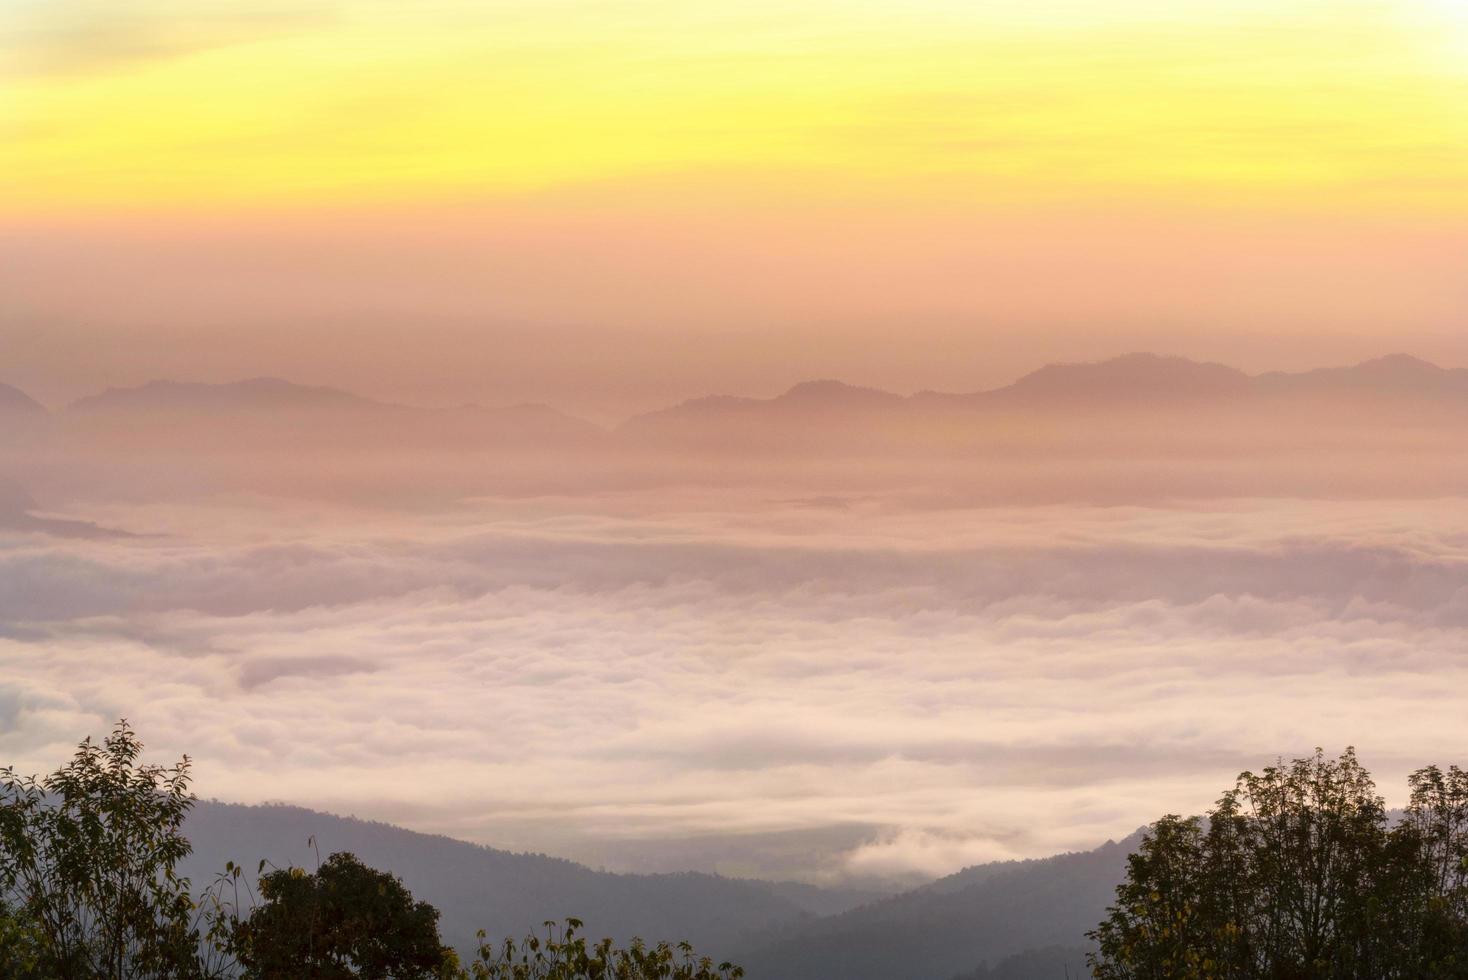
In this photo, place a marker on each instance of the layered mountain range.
(1133, 397)
(1134, 428)
(1136, 399)
(1020, 920)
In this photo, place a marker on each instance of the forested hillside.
(979, 916)
(499, 891)
(1019, 919)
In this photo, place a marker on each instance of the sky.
(612, 205)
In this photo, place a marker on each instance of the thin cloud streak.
(46, 38)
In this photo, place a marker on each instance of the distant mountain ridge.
(1130, 397)
(13, 401)
(19, 511)
(1126, 377)
(275, 394)
(1394, 372)
(273, 413)
(1023, 918)
(504, 893)
(982, 914)
(1134, 395)
(253, 394)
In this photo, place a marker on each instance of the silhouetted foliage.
(89, 891)
(1297, 874)
(20, 947)
(563, 955)
(87, 867)
(477, 887)
(344, 920)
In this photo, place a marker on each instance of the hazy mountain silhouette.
(24, 422)
(1125, 380)
(274, 414)
(501, 892)
(807, 397)
(1154, 380)
(16, 514)
(1142, 399)
(810, 410)
(981, 915)
(1395, 374)
(14, 402)
(828, 395)
(253, 395)
(1018, 920)
(1119, 417)
(1137, 400)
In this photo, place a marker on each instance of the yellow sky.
(220, 104)
(613, 204)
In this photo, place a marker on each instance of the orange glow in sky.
(266, 186)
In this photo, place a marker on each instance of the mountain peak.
(1132, 375)
(1395, 373)
(13, 401)
(1397, 366)
(260, 393)
(829, 391)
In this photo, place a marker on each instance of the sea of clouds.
(751, 682)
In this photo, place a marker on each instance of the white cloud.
(554, 674)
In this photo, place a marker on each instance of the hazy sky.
(609, 205)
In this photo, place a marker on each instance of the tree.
(89, 891)
(1298, 875)
(564, 955)
(1435, 827)
(345, 920)
(20, 946)
(88, 887)
(1157, 927)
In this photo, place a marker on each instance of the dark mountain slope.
(979, 916)
(501, 892)
(1046, 963)
(1020, 920)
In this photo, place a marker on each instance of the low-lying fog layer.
(754, 681)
